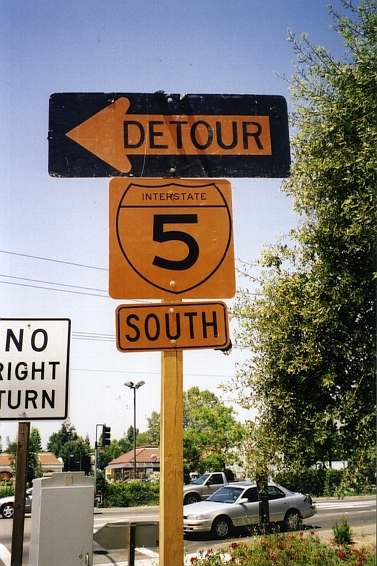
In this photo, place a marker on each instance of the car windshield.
(201, 479)
(226, 495)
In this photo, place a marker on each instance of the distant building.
(48, 461)
(6, 470)
(147, 462)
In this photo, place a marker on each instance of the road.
(360, 512)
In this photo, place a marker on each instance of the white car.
(237, 505)
(7, 505)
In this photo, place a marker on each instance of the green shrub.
(130, 494)
(317, 482)
(6, 490)
(304, 480)
(354, 482)
(342, 532)
(333, 479)
(298, 550)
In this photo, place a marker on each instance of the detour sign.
(171, 326)
(175, 134)
(170, 239)
(160, 135)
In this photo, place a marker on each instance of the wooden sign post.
(20, 493)
(171, 458)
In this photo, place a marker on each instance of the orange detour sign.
(160, 135)
(170, 239)
(112, 135)
(171, 326)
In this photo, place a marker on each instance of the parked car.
(7, 505)
(203, 486)
(237, 505)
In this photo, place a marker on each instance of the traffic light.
(106, 435)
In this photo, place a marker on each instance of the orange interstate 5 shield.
(171, 239)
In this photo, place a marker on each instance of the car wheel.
(221, 527)
(293, 520)
(7, 511)
(191, 498)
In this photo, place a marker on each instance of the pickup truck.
(203, 487)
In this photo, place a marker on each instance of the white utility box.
(62, 520)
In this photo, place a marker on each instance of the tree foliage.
(34, 469)
(312, 332)
(58, 439)
(76, 455)
(33, 466)
(130, 434)
(114, 450)
(73, 449)
(153, 432)
(211, 432)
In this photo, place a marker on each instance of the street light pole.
(134, 433)
(134, 386)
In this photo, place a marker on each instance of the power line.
(54, 260)
(52, 283)
(83, 264)
(154, 372)
(100, 334)
(94, 339)
(52, 289)
(63, 290)
(137, 301)
(72, 285)
(101, 337)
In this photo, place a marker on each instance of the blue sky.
(204, 46)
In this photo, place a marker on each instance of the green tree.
(124, 445)
(211, 432)
(76, 455)
(153, 431)
(11, 446)
(58, 439)
(130, 434)
(114, 450)
(34, 469)
(311, 332)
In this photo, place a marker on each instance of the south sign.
(170, 239)
(172, 326)
(159, 135)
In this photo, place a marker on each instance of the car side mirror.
(243, 500)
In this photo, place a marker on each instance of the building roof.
(45, 459)
(6, 459)
(49, 459)
(144, 455)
